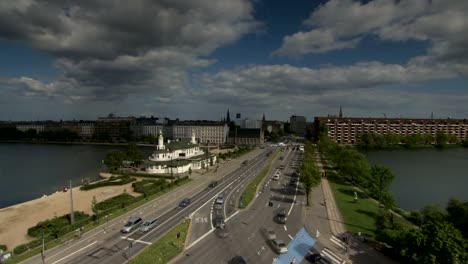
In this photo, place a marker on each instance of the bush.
(3, 247)
(118, 201)
(56, 226)
(113, 180)
(33, 244)
(149, 187)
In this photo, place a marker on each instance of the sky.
(62, 59)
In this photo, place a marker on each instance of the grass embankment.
(165, 248)
(249, 193)
(357, 217)
(72, 235)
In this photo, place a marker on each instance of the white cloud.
(443, 23)
(110, 49)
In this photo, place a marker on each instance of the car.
(276, 177)
(270, 234)
(219, 222)
(148, 225)
(237, 260)
(213, 184)
(281, 158)
(281, 167)
(282, 216)
(279, 246)
(245, 162)
(185, 202)
(132, 223)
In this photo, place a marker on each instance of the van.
(148, 225)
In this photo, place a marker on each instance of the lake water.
(425, 176)
(28, 171)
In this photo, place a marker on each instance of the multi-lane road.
(107, 245)
(244, 233)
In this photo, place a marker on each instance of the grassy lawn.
(166, 248)
(249, 193)
(357, 217)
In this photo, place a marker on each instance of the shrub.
(56, 226)
(117, 201)
(3, 247)
(113, 180)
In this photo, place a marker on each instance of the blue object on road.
(297, 248)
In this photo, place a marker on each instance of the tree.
(379, 183)
(441, 139)
(435, 242)
(457, 214)
(432, 213)
(132, 153)
(113, 159)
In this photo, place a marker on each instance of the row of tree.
(369, 141)
(62, 135)
(440, 236)
(309, 174)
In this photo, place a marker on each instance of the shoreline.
(14, 225)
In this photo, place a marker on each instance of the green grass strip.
(249, 193)
(165, 248)
(91, 226)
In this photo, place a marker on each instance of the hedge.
(113, 180)
(121, 200)
(56, 226)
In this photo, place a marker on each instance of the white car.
(277, 176)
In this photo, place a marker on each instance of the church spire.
(263, 119)
(341, 112)
(228, 118)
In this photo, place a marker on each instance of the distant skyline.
(195, 59)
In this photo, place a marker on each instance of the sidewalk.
(334, 217)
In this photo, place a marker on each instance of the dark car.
(184, 202)
(219, 222)
(245, 162)
(313, 258)
(213, 184)
(237, 260)
(282, 216)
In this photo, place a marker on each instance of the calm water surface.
(425, 176)
(28, 171)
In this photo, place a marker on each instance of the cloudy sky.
(63, 59)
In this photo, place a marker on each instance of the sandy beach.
(15, 220)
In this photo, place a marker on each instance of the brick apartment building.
(347, 130)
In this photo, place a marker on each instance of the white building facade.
(178, 157)
(204, 131)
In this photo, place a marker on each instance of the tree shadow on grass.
(368, 213)
(350, 192)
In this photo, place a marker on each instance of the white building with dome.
(178, 157)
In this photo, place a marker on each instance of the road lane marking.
(136, 240)
(75, 252)
(290, 237)
(285, 228)
(199, 239)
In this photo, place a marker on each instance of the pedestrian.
(325, 202)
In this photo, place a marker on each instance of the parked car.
(245, 162)
(279, 246)
(148, 225)
(282, 216)
(185, 202)
(132, 223)
(213, 184)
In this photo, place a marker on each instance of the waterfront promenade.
(15, 220)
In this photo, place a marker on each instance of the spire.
(228, 118)
(263, 119)
(341, 112)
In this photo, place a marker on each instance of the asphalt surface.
(244, 233)
(107, 244)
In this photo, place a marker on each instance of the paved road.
(244, 234)
(107, 245)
